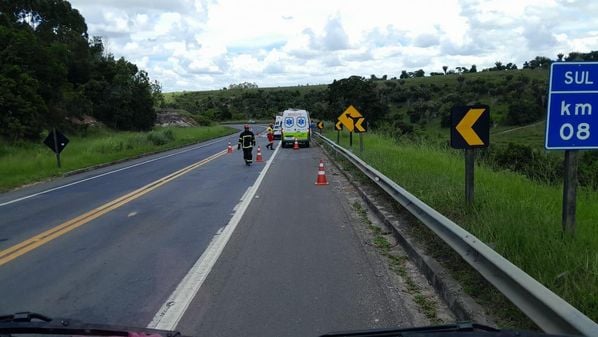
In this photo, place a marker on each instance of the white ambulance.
(295, 125)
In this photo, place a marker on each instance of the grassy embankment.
(30, 162)
(519, 218)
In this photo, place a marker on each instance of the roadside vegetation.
(416, 106)
(27, 162)
(53, 75)
(397, 264)
(518, 217)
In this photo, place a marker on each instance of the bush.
(524, 112)
(531, 162)
(202, 120)
(161, 137)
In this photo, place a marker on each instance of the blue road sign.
(571, 123)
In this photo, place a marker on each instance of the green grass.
(397, 264)
(519, 218)
(31, 162)
(532, 135)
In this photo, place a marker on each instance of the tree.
(540, 62)
(560, 57)
(445, 68)
(22, 108)
(473, 69)
(50, 72)
(360, 93)
(404, 75)
(244, 85)
(419, 73)
(574, 56)
(523, 112)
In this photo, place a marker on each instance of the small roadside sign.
(320, 125)
(572, 95)
(353, 120)
(470, 126)
(56, 141)
(338, 126)
(360, 125)
(470, 129)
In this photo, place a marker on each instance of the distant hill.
(516, 98)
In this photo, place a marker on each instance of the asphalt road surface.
(192, 239)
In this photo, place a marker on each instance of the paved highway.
(194, 240)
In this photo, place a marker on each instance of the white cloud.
(426, 40)
(209, 44)
(334, 37)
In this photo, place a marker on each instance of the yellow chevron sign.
(359, 127)
(470, 126)
(465, 127)
(352, 119)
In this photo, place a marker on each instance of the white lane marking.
(177, 303)
(105, 174)
(132, 214)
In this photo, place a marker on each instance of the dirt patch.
(174, 118)
(405, 286)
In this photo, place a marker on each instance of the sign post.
(470, 129)
(56, 141)
(572, 95)
(569, 192)
(338, 127)
(469, 176)
(361, 142)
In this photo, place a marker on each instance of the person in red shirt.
(270, 134)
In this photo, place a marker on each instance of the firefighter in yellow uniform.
(247, 141)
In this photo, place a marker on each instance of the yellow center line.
(30, 244)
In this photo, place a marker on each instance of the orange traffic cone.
(321, 180)
(296, 145)
(229, 149)
(258, 157)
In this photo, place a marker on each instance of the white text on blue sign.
(572, 96)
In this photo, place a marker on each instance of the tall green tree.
(360, 93)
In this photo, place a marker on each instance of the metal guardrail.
(550, 312)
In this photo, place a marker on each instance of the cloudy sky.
(209, 44)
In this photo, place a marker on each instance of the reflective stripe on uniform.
(246, 141)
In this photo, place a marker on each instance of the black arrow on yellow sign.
(470, 126)
(320, 125)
